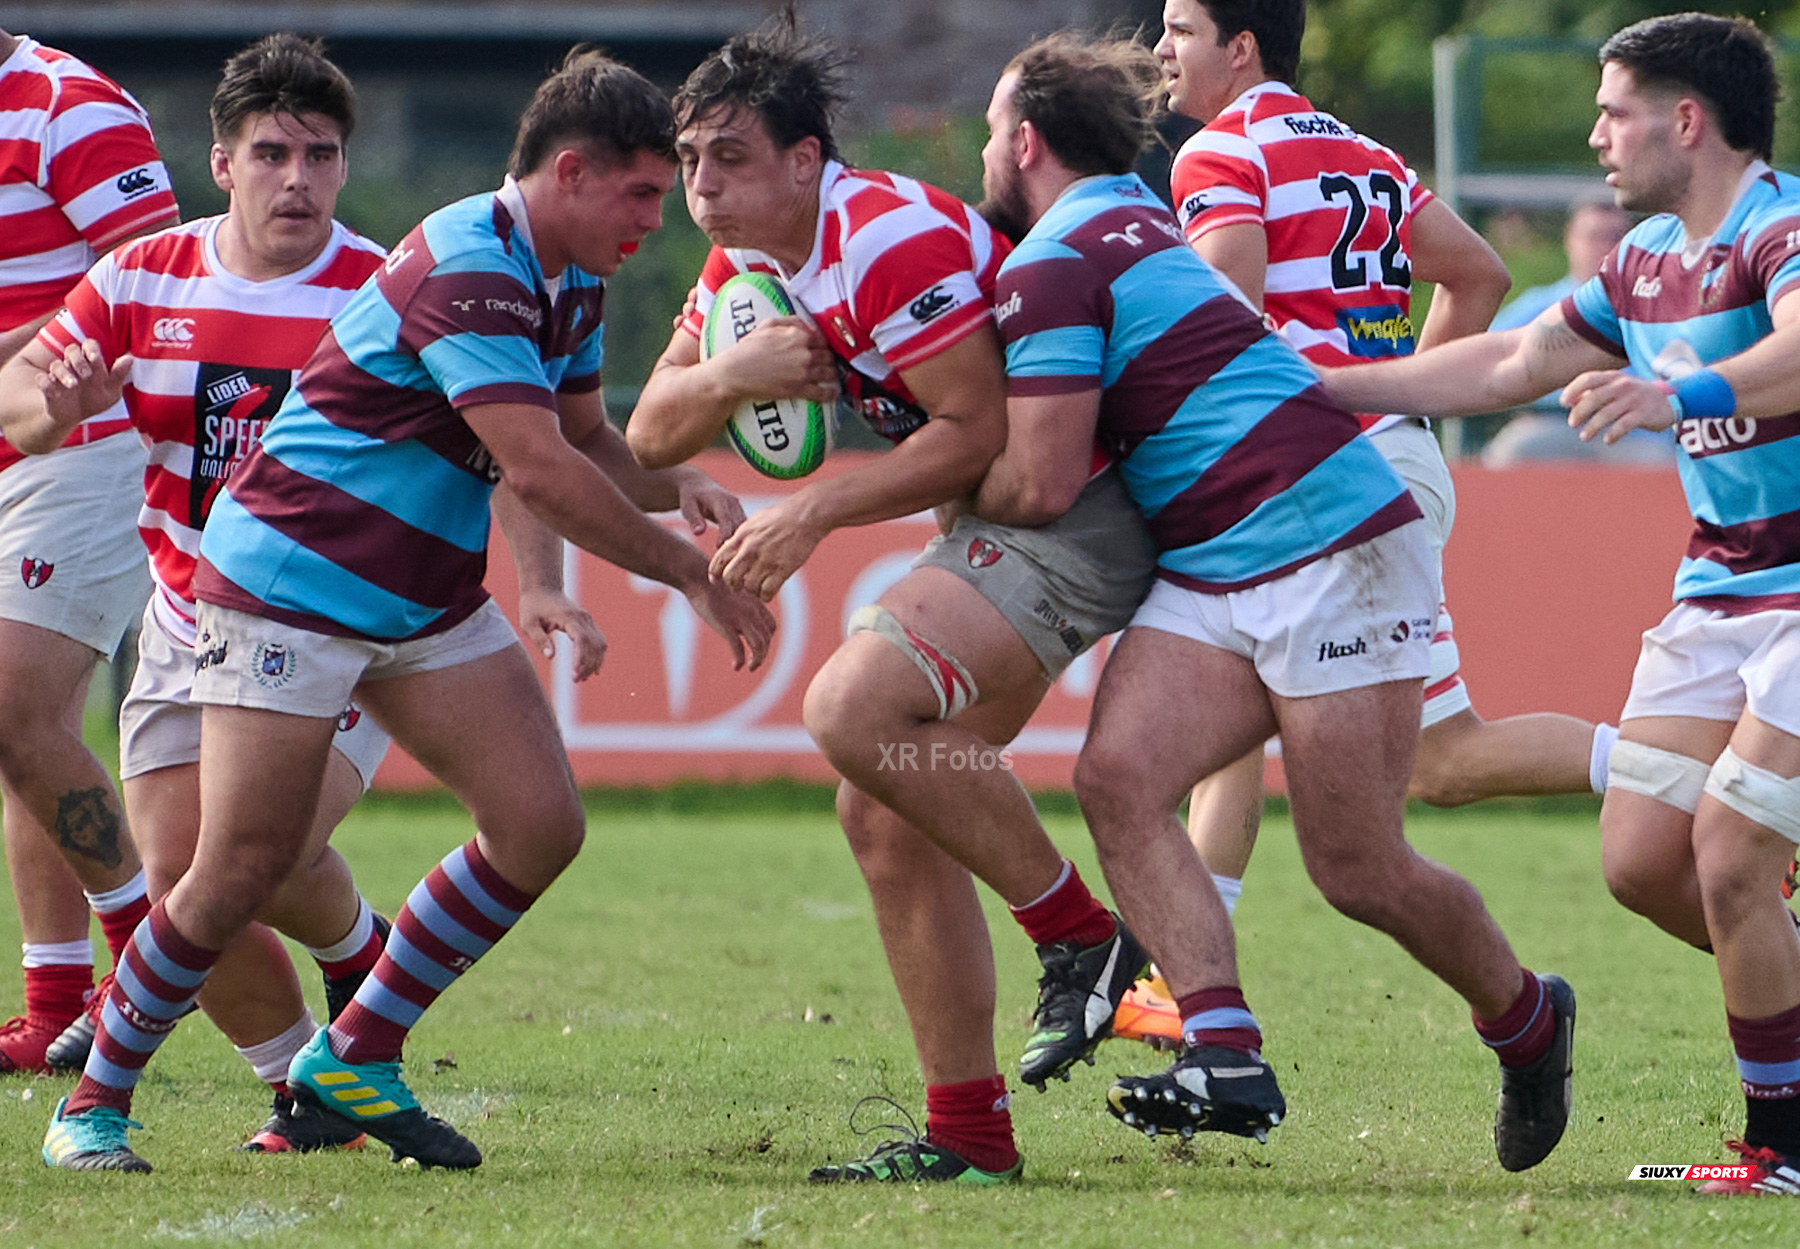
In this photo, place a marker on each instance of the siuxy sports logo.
(34, 572)
(933, 303)
(1691, 1171)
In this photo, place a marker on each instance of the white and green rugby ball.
(781, 438)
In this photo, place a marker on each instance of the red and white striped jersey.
(78, 172)
(1337, 209)
(899, 271)
(215, 355)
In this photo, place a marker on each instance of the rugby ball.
(780, 438)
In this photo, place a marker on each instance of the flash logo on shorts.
(34, 572)
(1342, 650)
(983, 554)
(273, 665)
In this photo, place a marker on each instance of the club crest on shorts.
(983, 554)
(349, 718)
(34, 572)
(1401, 632)
(273, 664)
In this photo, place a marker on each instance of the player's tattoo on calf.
(88, 824)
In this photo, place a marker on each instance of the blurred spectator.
(1540, 431)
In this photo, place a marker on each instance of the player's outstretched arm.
(1048, 458)
(964, 389)
(1481, 373)
(687, 400)
(1470, 277)
(1758, 383)
(44, 395)
(566, 491)
(544, 608)
(699, 498)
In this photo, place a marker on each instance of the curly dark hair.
(791, 79)
(1726, 61)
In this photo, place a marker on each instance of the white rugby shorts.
(159, 723)
(1358, 617)
(243, 660)
(71, 560)
(1714, 666)
(1413, 452)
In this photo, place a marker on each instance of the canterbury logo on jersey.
(173, 330)
(1378, 332)
(136, 183)
(931, 304)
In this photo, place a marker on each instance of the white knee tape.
(950, 681)
(1672, 779)
(1757, 794)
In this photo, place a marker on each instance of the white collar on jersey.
(1694, 250)
(513, 200)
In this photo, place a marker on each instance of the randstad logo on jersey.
(1378, 332)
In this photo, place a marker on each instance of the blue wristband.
(1705, 393)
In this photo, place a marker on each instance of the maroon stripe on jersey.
(1656, 287)
(586, 384)
(1117, 239)
(1034, 387)
(1750, 546)
(351, 398)
(1051, 294)
(212, 586)
(574, 319)
(1744, 604)
(493, 305)
(1705, 436)
(1401, 510)
(373, 544)
(501, 392)
(1579, 324)
(1271, 457)
(457, 907)
(1166, 373)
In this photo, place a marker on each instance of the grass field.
(675, 1035)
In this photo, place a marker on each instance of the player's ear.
(220, 161)
(1690, 121)
(806, 158)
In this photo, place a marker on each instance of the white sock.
(353, 941)
(58, 954)
(1062, 878)
(120, 898)
(269, 1059)
(1229, 887)
(1604, 737)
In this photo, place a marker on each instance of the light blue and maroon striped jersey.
(1671, 315)
(364, 511)
(1243, 468)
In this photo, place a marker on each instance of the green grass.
(637, 1062)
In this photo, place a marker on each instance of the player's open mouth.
(628, 248)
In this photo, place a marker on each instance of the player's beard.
(1006, 209)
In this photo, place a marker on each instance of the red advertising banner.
(1552, 574)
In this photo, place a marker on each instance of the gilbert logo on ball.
(781, 438)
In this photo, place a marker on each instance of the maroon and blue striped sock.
(452, 917)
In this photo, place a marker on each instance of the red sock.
(57, 993)
(1068, 912)
(1523, 1034)
(973, 1119)
(117, 926)
(1219, 1016)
